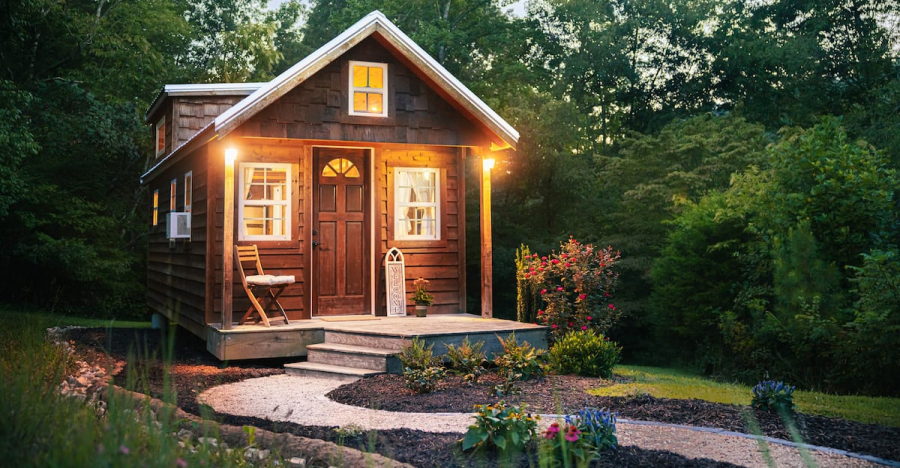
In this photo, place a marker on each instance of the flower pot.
(421, 310)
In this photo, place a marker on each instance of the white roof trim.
(202, 89)
(375, 21)
(175, 151)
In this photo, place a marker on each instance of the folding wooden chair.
(262, 289)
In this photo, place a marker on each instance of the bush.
(585, 435)
(596, 425)
(423, 380)
(522, 359)
(587, 353)
(467, 359)
(770, 395)
(506, 428)
(416, 355)
(574, 285)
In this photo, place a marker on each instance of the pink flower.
(552, 431)
(607, 294)
(555, 261)
(564, 256)
(543, 258)
(572, 434)
(181, 463)
(554, 326)
(584, 327)
(531, 268)
(535, 255)
(540, 312)
(570, 324)
(582, 296)
(612, 307)
(568, 264)
(589, 318)
(560, 288)
(124, 449)
(543, 264)
(540, 269)
(543, 291)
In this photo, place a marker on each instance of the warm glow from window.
(264, 201)
(368, 88)
(161, 137)
(188, 191)
(417, 204)
(340, 166)
(155, 207)
(173, 186)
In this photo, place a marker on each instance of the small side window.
(155, 207)
(188, 190)
(417, 214)
(173, 187)
(161, 137)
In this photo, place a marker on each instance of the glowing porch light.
(230, 155)
(488, 164)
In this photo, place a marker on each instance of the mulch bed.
(190, 369)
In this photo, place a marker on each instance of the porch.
(363, 335)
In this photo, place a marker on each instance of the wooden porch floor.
(279, 340)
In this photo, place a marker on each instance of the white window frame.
(286, 202)
(399, 233)
(160, 126)
(383, 91)
(173, 193)
(188, 190)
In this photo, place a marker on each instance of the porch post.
(487, 250)
(228, 239)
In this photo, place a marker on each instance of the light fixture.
(230, 155)
(488, 164)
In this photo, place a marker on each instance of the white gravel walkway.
(302, 400)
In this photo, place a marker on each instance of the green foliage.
(575, 286)
(423, 380)
(506, 428)
(528, 297)
(416, 355)
(421, 296)
(769, 395)
(565, 447)
(519, 359)
(467, 359)
(587, 353)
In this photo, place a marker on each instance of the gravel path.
(302, 400)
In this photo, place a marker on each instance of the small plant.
(508, 386)
(416, 355)
(585, 352)
(565, 447)
(467, 359)
(770, 395)
(597, 426)
(422, 296)
(423, 380)
(519, 359)
(508, 428)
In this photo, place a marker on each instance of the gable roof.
(373, 23)
(201, 89)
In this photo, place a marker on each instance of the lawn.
(671, 383)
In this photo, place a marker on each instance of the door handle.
(315, 244)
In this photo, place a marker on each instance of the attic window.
(161, 137)
(368, 89)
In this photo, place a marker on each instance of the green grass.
(673, 383)
(46, 320)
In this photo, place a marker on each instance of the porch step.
(361, 357)
(369, 340)
(315, 369)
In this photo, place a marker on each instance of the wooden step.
(369, 340)
(362, 357)
(315, 369)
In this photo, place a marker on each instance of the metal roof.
(370, 24)
(202, 89)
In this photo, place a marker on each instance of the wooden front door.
(340, 233)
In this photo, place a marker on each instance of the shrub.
(423, 380)
(574, 285)
(770, 395)
(507, 428)
(416, 355)
(565, 447)
(522, 359)
(467, 359)
(586, 353)
(598, 426)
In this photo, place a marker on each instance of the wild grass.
(43, 428)
(680, 384)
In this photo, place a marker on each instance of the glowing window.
(188, 191)
(155, 207)
(264, 207)
(417, 204)
(173, 186)
(340, 166)
(368, 89)
(161, 137)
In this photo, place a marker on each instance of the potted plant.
(422, 297)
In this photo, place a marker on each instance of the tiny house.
(359, 148)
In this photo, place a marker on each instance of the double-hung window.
(264, 207)
(368, 89)
(173, 187)
(417, 204)
(155, 207)
(161, 137)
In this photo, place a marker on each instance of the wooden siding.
(192, 113)
(278, 257)
(176, 272)
(441, 262)
(318, 109)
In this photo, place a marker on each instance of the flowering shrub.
(770, 395)
(505, 427)
(467, 359)
(586, 353)
(574, 285)
(584, 436)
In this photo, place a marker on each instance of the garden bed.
(192, 369)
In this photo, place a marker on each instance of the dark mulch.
(561, 394)
(190, 369)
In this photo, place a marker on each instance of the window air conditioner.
(178, 226)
